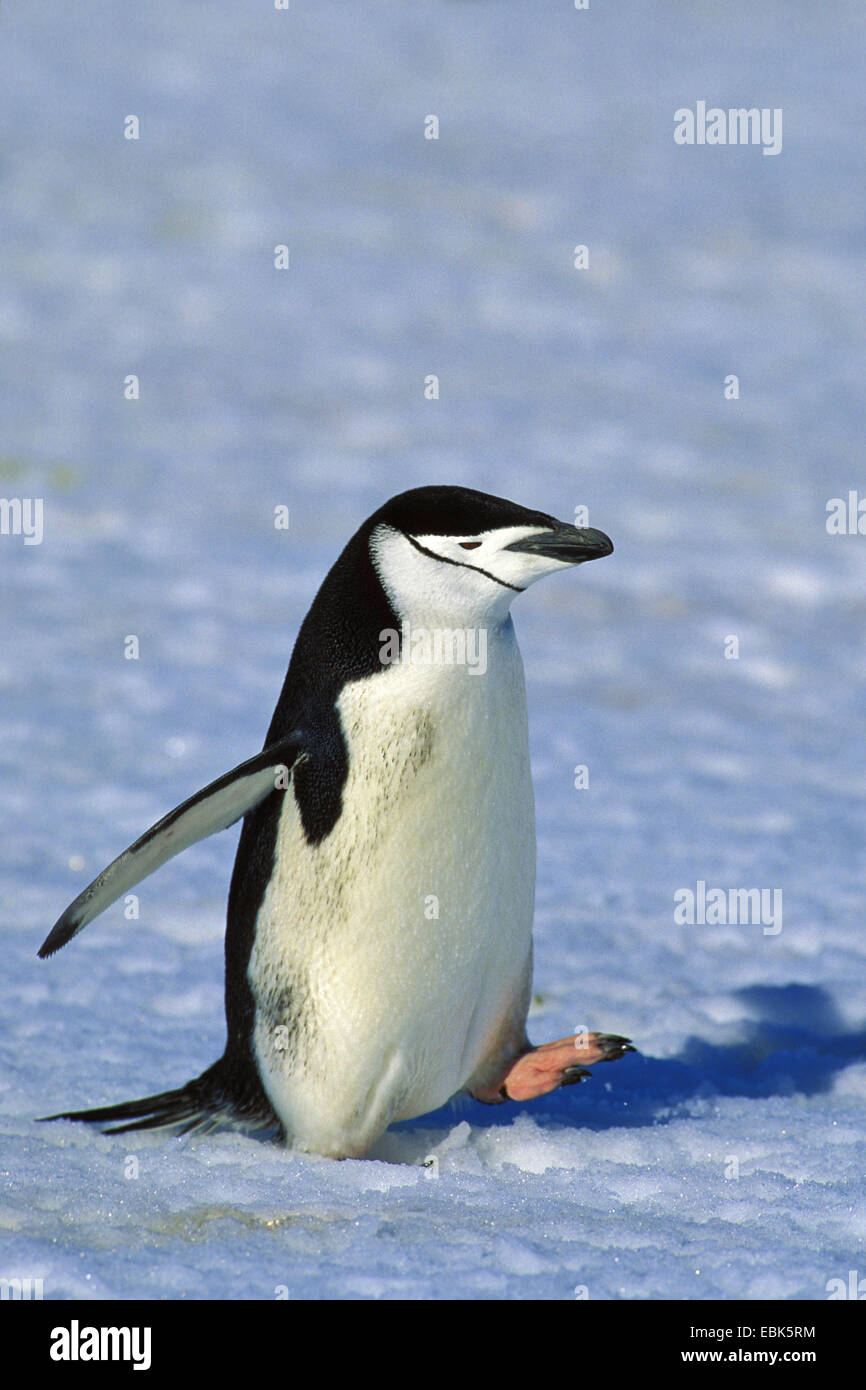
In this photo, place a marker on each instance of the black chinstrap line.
(462, 565)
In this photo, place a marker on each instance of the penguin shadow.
(794, 1043)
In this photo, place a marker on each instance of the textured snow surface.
(727, 1158)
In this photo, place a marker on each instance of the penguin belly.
(392, 961)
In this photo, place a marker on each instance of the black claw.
(572, 1075)
(614, 1047)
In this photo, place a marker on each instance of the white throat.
(433, 580)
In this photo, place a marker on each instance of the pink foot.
(544, 1069)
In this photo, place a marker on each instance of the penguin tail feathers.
(196, 1108)
(178, 1109)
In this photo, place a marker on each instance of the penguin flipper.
(215, 807)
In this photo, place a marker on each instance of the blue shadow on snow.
(796, 1043)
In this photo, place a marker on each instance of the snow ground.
(559, 388)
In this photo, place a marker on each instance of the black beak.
(571, 544)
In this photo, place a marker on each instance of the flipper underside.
(214, 808)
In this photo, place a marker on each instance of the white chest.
(389, 958)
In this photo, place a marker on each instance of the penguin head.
(462, 555)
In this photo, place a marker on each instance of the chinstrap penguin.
(378, 943)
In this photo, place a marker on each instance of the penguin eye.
(469, 545)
